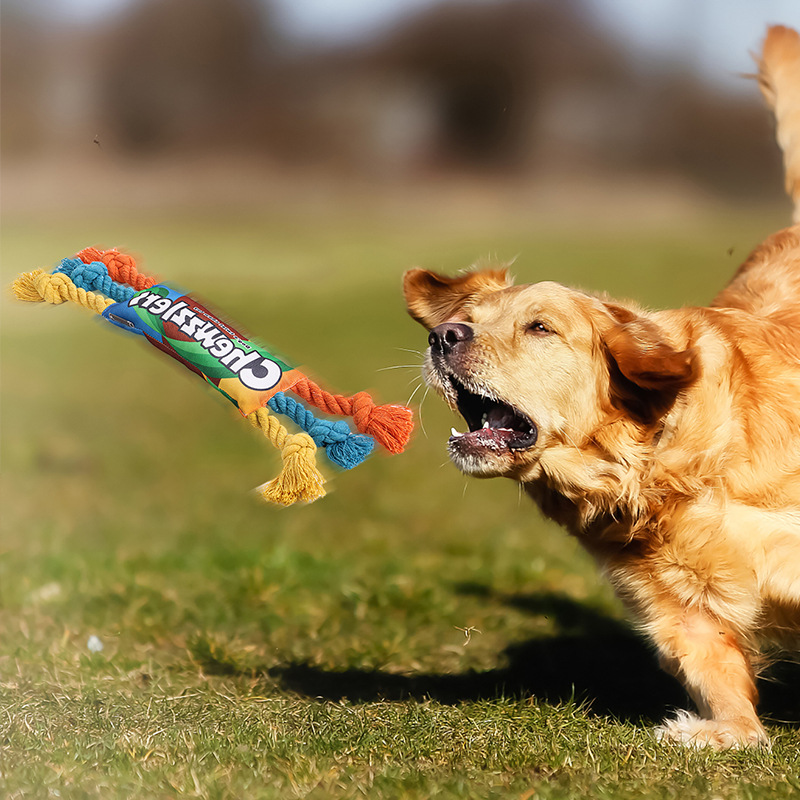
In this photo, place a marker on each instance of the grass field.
(412, 635)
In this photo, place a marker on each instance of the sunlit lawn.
(413, 634)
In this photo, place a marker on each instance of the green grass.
(413, 634)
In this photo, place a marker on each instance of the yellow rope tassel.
(40, 286)
(299, 480)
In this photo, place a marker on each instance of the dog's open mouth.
(492, 423)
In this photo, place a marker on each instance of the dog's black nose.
(446, 336)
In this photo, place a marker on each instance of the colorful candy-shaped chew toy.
(253, 379)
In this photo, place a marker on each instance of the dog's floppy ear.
(640, 351)
(433, 299)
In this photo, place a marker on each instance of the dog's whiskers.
(419, 411)
(399, 366)
(416, 389)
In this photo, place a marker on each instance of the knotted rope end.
(391, 425)
(299, 481)
(25, 286)
(350, 452)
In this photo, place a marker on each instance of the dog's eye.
(538, 328)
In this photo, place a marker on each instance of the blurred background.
(238, 101)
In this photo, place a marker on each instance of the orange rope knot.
(391, 425)
(121, 267)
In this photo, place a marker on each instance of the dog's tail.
(779, 79)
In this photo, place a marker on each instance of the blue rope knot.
(94, 277)
(342, 446)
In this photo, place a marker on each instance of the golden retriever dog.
(667, 442)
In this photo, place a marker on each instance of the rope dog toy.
(256, 381)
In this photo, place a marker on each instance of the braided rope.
(94, 276)
(299, 481)
(121, 267)
(391, 425)
(40, 286)
(342, 446)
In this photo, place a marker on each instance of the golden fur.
(668, 442)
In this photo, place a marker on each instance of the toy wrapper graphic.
(178, 325)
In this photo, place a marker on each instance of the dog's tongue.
(495, 438)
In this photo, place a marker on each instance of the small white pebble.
(94, 644)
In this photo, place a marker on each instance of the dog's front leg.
(711, 662)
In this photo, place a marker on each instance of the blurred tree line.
(514, 87)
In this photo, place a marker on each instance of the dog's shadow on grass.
(593, 658)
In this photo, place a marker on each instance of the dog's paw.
(718, 734)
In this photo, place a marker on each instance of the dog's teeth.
(485, 423)
(454, 433)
